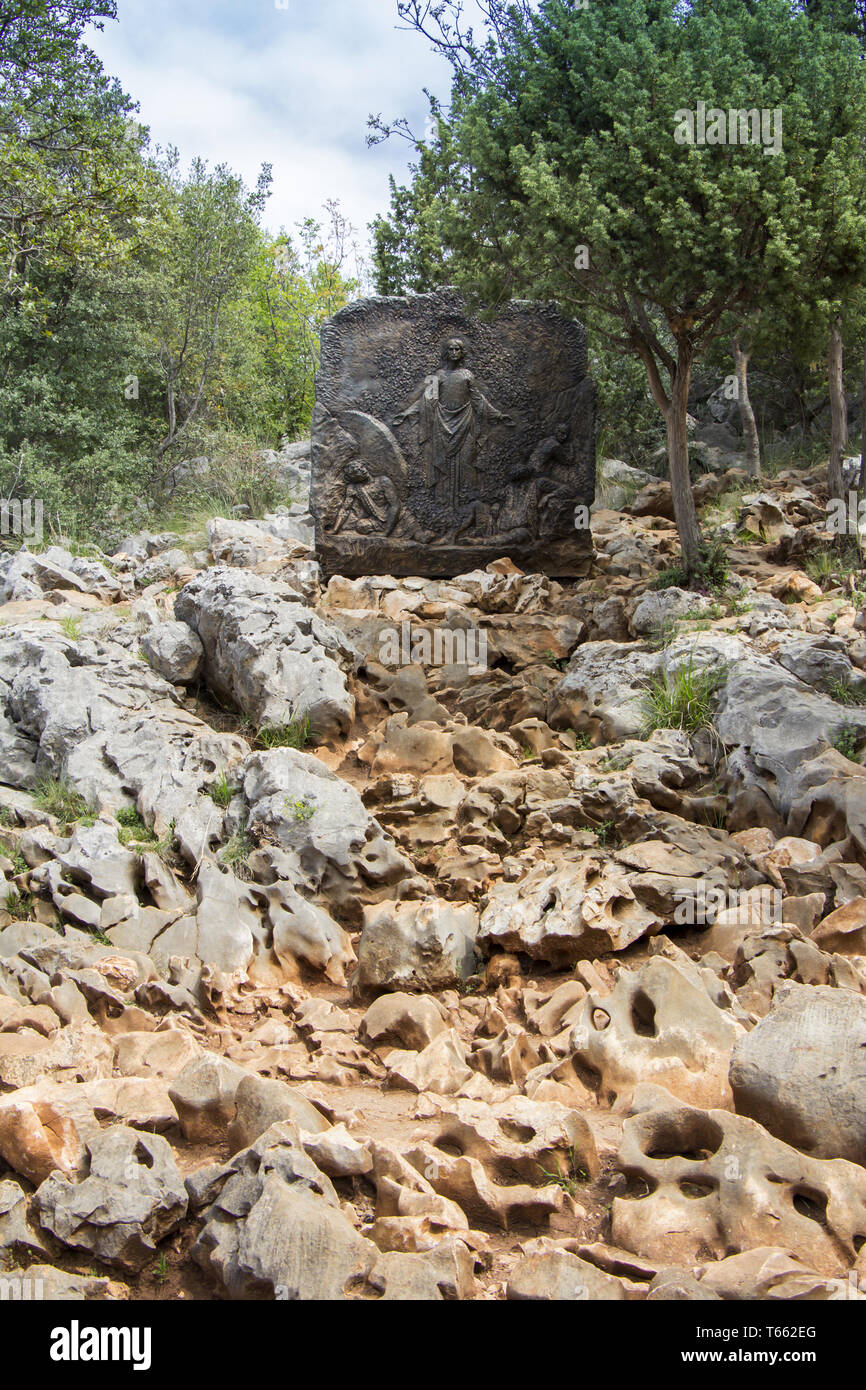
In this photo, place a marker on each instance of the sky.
(285, 82)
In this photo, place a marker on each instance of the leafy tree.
(211, 237)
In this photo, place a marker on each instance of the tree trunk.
(676, 414)
(838, 409)
(747, 414)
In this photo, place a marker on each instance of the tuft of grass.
(570, 1180)
(711, 571)
(685, 700)
(133, 830)
(835, 564)
(161, 1272)
(7, 815)
(662, 634)
(59, 798)
(844, 693)
(582, 743)
(295, 734)
(236, 850)
(221, 790)
(71, 627)
(847, 740)
(19, 905)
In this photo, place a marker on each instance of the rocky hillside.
(538, 978)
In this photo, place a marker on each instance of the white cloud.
(252, 84)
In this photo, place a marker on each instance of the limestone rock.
(802, 1071)
(132, 1197)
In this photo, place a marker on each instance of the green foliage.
(18, 905)
(133, 830)
(617, 762)
(563, 133)
(847, 740)
(663, 633)
(711, 571)
(59, 798)
(569, 1174)
(684, 699)
(146, 317)
(835, 564)
(237, 850)
(301, 810)
(221, 790)
(604, 832)
(295, 734)
(844, 693)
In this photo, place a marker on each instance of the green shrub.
(847, 739)
(685, 699)
(295, 734)
(59, 798)
(221, 790)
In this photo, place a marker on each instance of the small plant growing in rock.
(7, 815)
(684, 700)
(583, 743)
(161, 1271)
(570, 1180)
(236, 850)
(295, 734)
(221, 790)
(301, 810)
(560, 662)
(844, 693)
(18, 905)
(846, 740)
(133, 830)
(71, 627)
(59, 798)
(603, 832)
(662, 634)
(617, 762)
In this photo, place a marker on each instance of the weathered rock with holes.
(320, 835)
(574, 913)
(720, 1184)
(658, 1025)
(276, 1230)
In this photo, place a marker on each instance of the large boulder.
(319, 834)
(132, 1197)
(269, 654)
(416, 946)
(802, 1071)
(572, 913)
(174, 651)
